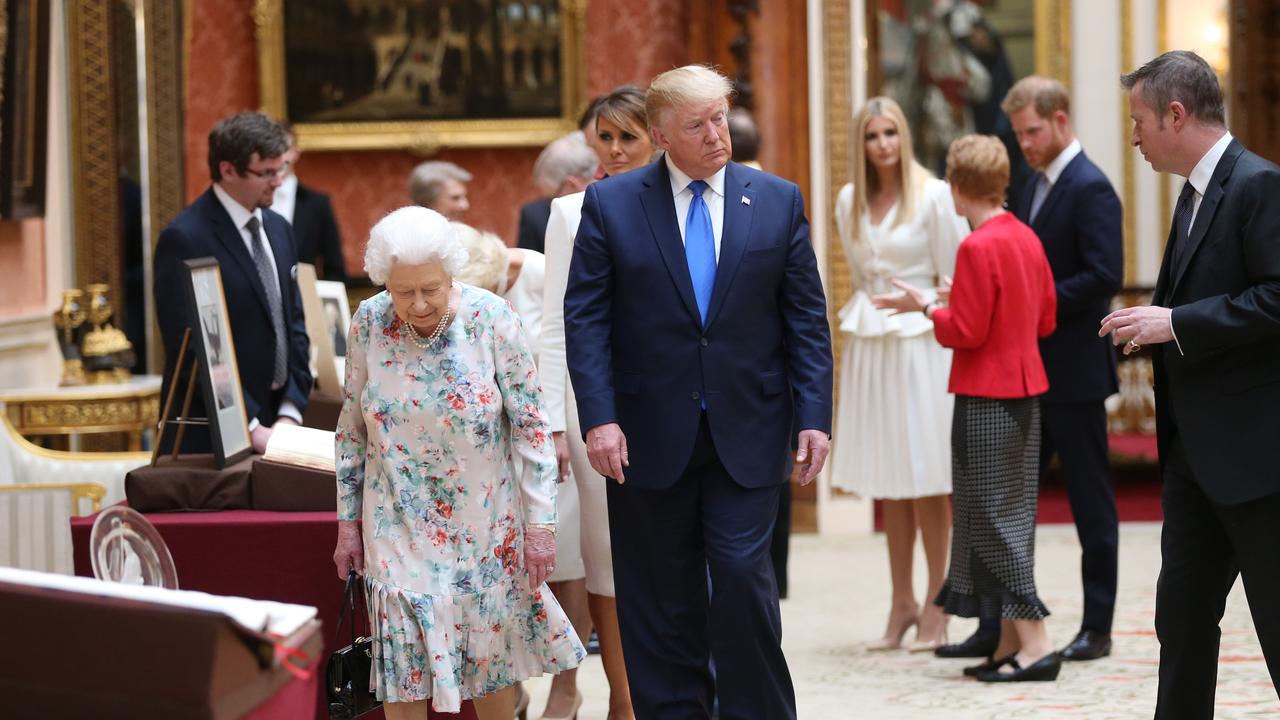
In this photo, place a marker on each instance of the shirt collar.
(1203, 171)
(680, 181)
(239, 214)
(1058, 164)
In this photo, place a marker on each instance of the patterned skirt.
(995, 450)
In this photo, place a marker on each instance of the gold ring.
(1134, 347)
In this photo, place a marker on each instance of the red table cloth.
(282, 556)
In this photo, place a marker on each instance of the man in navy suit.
(696, 330)
(310, 214)
(1215, 322)
(255, 253)
(1072, 206)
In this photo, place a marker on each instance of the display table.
(131, 407)
(256, 554)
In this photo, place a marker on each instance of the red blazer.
(1002, 302)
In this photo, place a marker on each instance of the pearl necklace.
(427, 342)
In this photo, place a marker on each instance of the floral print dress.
(424, 452)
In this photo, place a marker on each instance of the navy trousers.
(665, 542)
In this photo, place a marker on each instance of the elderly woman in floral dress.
(440, 395)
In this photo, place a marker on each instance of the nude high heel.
(894, 642)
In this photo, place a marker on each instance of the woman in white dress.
(518, 275)
(623, 144)
(892, 431)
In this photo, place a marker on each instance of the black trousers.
(1203, 547)
(665, 542)
(1077, 432)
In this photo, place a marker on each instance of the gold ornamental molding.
(424, 136)
(1129, 165)
(838, 51)
(95, 174)
(1053, 39)
(164, 42)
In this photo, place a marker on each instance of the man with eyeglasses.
(254, 247)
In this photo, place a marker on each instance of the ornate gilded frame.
(424, 136)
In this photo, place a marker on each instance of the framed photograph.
(214, 349)
(337, 314)
(949, 63)
(350, 74)
(325, 363)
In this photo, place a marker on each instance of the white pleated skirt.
(892, 437)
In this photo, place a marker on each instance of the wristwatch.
(928, 306)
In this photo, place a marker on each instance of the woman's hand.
(562, 454)
(349, 553)
(944, 291)
(539, 555)
(911, 299)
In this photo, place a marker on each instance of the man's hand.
(285, 420)
(260, 436)
(813, 449)
(1138, 326)
(607, 450)
(539, 555)
(562, 454)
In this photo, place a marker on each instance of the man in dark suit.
(255, 253)
(696, 330)
(565, 166)
(1072, 207)
(1215, 322)
(309, 211)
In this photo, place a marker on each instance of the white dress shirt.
(1199, 178)
(240, 218)
(1058, 164)
(713, 196)
(286, 197)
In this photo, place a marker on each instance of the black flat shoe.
(1043, 670)
(986, 666)
(976, 645)
(1088, 645)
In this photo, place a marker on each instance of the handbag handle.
(348, 599)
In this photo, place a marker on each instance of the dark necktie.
(700, 248)
(1182, 224)
(272, 288)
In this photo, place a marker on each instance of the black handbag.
(347, 672)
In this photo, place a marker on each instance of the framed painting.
(215, 352)
(24, 93)
(422, 74)
(949, 63)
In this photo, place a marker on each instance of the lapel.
(233, 242)
(734, 234)
(1162, 279)
(1028, 196)
(660, 210)
(1208, 207)
(1056, 193)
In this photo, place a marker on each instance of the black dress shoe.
(1088, 645)
(1043, 670)
(975, 646)
(985, 666)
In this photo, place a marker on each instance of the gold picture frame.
(426, 136)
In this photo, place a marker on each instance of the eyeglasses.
(268, 174)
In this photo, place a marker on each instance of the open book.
(303, 446)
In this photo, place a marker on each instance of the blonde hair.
(412, 235)
(911, 174)
(487, 259)
(978, 167)
(1047, 95)
(685, 86)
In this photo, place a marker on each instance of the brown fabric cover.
(189, 483)
(291, 488)
(322, 411)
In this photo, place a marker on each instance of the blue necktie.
(700, 248)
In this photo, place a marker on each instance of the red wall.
(627, 41)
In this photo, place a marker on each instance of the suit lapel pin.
(746, 200)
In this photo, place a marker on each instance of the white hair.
(427, 180)
(683, 87)
(412, 235)
(565, 157)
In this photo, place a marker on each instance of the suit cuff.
(289, 410)
(1174, 333)
(253, 424)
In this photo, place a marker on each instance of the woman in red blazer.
(1001, 303)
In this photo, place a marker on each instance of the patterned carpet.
(839, 595)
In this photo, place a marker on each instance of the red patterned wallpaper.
(627, 41)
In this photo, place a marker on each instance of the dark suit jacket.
(1222, 391)
(204, 229)
(533, 224)
(1080, 226)
(638, 353)
(315, 230)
